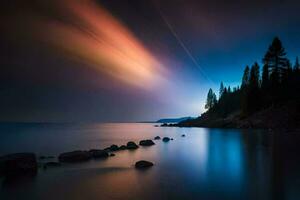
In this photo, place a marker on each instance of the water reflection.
(207, 164)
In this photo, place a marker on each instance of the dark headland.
(267, 97)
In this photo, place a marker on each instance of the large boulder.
(142, 164)
(146, 143)
(18, 164)
(97, 153)
(131, 145)
(74, 156)
(166, 139)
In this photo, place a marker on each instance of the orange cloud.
(89, 34)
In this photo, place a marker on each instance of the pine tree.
(246, 76)
(211, 99)
(254, 76)
(276, 59)
(229, 89)
(221, 90)
(214, 99)
(225, 91)
(253, 95)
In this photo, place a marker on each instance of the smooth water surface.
(206, 164)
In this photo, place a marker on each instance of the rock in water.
(132, 145)
(114, 147)
(74, 156)
(157, 138)
(97, 153)
(142, 164)
(18, 164)
(146, 143)
(123, 147)
(112, 154)
(182, 135)
(166, 139)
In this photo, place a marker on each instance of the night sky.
(131, 60)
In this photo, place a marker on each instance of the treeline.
(276, 83)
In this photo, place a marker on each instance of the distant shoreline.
(285, 116)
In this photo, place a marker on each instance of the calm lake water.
(206, 164)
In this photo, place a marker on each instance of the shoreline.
(284, 116)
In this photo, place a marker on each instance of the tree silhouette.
(276, 59)
(211, 99)
(276, 85)
(246, 76)
(254, 76)
(221, 90)
(253, 96)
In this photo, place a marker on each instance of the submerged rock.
(157, 138)
(142, 164)
(146, 143)
(132, 145)
(166, 139)
(97, 153)
(75, 156)
(18, 164)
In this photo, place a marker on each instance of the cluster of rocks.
(26, 163)
(80, 156)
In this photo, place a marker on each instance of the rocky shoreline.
(28, 164)
(285, 116)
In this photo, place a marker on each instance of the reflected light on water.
(210, 163)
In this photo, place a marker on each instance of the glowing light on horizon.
(87, 33)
